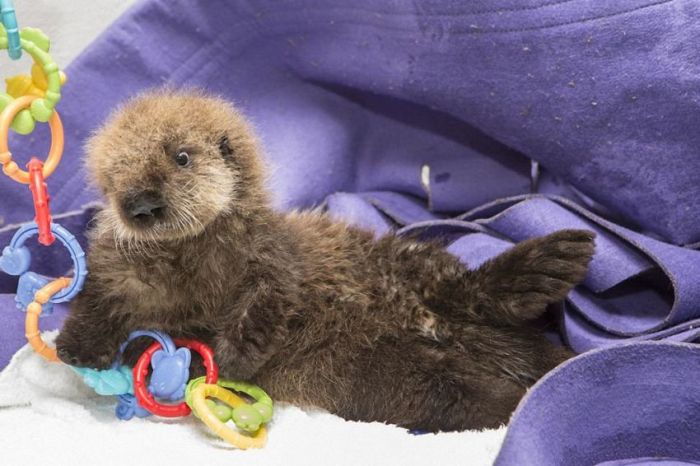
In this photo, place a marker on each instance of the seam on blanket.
(476, 30)
(466, 13)
(514, 9)
(452, 15)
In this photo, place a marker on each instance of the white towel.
(49, 417)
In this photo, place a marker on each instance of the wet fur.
(317, 312)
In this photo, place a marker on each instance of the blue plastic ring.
(9, 20)
(76, 253)
(165, 341)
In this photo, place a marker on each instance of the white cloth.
(48, 416)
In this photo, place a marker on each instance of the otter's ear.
(225, 147)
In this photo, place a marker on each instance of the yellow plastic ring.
(10, 168)
(31, 323)
(199, 406)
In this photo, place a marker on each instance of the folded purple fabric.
(613, 407)
(648, 462)
(424, 118)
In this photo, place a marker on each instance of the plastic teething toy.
(248, 417)
(198, 402)
(30, 99)
(163, 356)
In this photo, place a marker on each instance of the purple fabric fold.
(623, 403)
(423, 118)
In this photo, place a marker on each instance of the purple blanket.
(483, 123)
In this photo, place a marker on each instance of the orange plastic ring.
(31, 323)
(10, 168)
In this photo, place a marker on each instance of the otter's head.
(171, 162)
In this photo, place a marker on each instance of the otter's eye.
(182, 159)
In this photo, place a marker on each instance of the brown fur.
(317, 312)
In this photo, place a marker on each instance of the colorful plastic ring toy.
(31, 323)
(147, 400)
(10, 168)
(68, 240)
(248, 417)
(199, 405)
(9, 20)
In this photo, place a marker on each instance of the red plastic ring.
(147, 400)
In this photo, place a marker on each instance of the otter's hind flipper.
(517, 285)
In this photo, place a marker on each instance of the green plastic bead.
(265, 411)
(221, 411)
(4, 100)
(247, 418)
(36, 36)
(23, 122)
(40, 111)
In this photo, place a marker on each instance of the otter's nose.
(145, 207)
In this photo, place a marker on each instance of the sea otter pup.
(317, 312)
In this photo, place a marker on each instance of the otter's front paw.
(81, 353)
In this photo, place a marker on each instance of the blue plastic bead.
(171, 366)
(170, 374)
(15, 261)
(129, 407)
(114, 381)
(163, 338)
(29, 284)
(9, 20)
(14, 257)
